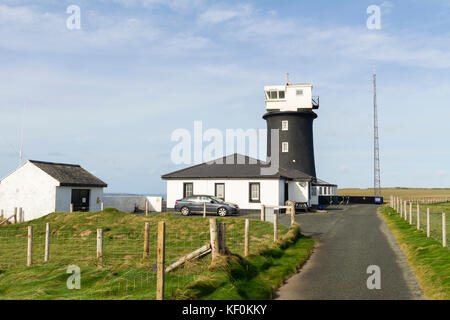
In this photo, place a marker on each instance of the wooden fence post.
(275, 227)
(47, 242)
(410, 213)
(146, 240)
(30, 246)
(20, 215)
(204, 209)
(102, 206)
(15, 215)
(292, 214)
(246, 237)
(444, 230)
(2, 214)
(263, 212)
(222, 238)
(146, 206)
(418, 218)
(428, 223)
(406, 214)
(214, 237)
(161, 260)
(71, 208)
(100, 247)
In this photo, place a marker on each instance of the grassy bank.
(429, 260)
(124, 274)
(256, 277)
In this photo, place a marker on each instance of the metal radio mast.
(376, 147)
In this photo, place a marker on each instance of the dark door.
(80, 199)
(286, 192)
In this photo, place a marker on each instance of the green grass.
(436, 211)
(124, 274)
(256, 277)
(429, 260)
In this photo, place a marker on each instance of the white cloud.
(149, 4)
(219, 14)
(16, 15)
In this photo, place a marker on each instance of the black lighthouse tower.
(289, 108)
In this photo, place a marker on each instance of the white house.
(238, 179)
(242, 180)
(40, 188)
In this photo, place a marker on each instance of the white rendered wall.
(129, 203)
(281, 192)
(299, 193)
(154, 203)
(236, 191)
(30, 188)
(292, 101)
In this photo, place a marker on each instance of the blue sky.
(108, 96)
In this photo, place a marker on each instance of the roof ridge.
(55, 163)
(215, 160)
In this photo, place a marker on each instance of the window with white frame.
(285, 147)
(284, 125)
(254, 192)
(188, 189)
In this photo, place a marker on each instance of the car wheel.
(222, 212)
(185, 211)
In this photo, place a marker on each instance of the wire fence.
(126, 267)
(428, 214)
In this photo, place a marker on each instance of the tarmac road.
(350, 240)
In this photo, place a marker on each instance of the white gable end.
(30, 188)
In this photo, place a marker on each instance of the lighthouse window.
(280, 94)
(284, 125)
(285, 147)
(299, 92)
(273, 95)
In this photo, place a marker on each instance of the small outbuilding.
(40, 188)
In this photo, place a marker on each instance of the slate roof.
(235, 166)
(69, 175)
(321, 182)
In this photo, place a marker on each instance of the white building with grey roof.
(40, 188)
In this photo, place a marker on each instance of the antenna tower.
(376, 147)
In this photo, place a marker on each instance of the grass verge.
(429, 260)
(256, 277)
(126, 275)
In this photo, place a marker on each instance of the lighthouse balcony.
(315, 102)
